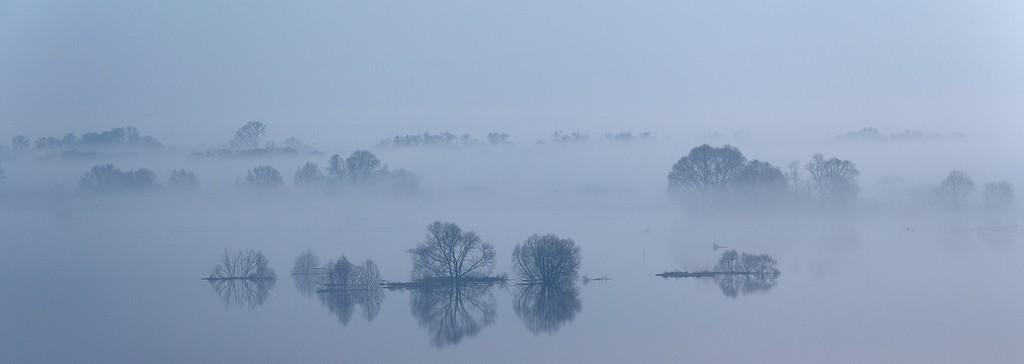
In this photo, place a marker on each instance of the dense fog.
(785, 181)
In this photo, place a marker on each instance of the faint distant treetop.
(495, 138)
(114, 138)
(3, 175)
(955, 190)
(427, 139)
(627, 136)
(760, 178)
(309, 175)
(182, 180)
(559, 137)
(107, 178)
(20, 143)
(306, 263)
(249, 135)
(999, 194)
(264, 177)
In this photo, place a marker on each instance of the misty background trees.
(264, 177)
(107, 178)
(834, 180)
(182, 180)
(955, 190)
(999, 194)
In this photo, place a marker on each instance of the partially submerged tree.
(546, 259)
(307, 263)
(349, 285)
(247, 264)
(999, 194)
(264, 177)
(106, 178)
(955, 190)
(834, 180)
(448, 253)
(248, 136)
(182, 180)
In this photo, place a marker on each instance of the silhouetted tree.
(182, 180)
(451, 254)
(309, 175)
(248, 136)
(106, 178)
(999, 194)
(452, 312)
(20, 143)
(546, 259)
(264, 177)
(706, 169)
(955, 190)
(544, 308)
(350, 285)
(834, 180)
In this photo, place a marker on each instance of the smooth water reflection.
(453, 312)
(544, 308)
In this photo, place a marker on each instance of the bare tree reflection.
(307, 274)
(243, 279)
(347, 286)
(452, 311)
(245, 293)
(544, 308)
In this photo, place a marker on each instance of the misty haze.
(526, 182)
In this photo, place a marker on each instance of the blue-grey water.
(116, 280)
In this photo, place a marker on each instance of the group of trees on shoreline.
(956, 190)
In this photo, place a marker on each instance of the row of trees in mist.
(248, 141)
(448, 139)
(360, 169)
(710, 175)
(123, 137)
(956, 191)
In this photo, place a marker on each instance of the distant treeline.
(248, 142)
(874, 135)
(124, 137)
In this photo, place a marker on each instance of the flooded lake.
(118, 281)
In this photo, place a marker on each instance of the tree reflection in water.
(544, 308)
(247, 293)
(453, 311)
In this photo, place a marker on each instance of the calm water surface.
(117, 284)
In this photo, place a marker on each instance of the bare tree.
(745, 273)
(340, 274)
(361, 166)
(546, 259)
(247, 264)
(955, 190)
(349, 285)
(248, 136)
(999, 194)
(264, 177)
(451, 254)
(835, 180)
(706, 169)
